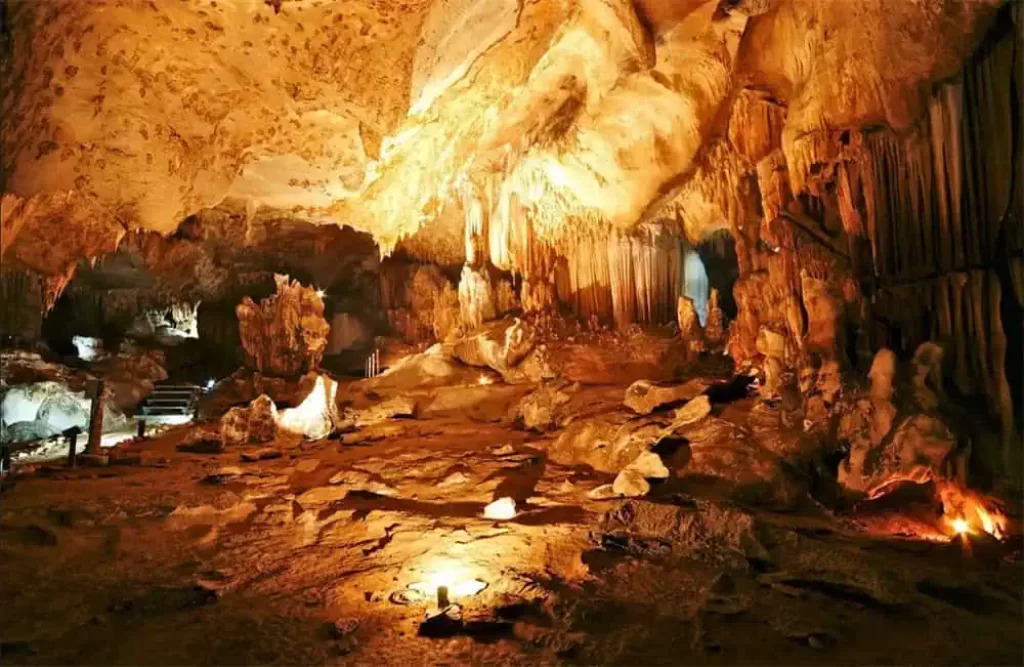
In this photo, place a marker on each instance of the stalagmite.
(689, 326)
(476, 298)
(714, 330)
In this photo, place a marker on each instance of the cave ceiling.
(410, 120)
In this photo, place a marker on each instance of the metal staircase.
(170, 402)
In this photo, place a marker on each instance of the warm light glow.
(321, 293)
(452, 575)
(968, 512)
(484, 379)
(501, 509)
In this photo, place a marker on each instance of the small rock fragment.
(631, 484)
(454, 479)
(307, 465)
(261, 454)
(603, 492)
(650, 466)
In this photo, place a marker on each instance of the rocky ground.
(331, 552)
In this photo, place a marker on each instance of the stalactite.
(755, 126)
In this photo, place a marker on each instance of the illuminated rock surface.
(620, 331)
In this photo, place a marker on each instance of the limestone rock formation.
(477, 299)
(631, 484)
(643, 397)
(286, 333)
(44, 409)
(694, 410)
(715, 328)
(501, 345)
(316, 417)
(689, 325)
(608, 442)
(397, 406)
(649, 465)
(539, 410)
(254, 424)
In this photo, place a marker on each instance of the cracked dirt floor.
(307, 559)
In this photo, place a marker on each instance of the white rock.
(631, 484)
(650, 466)
(501, 509)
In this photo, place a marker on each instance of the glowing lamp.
(961, 527)
(448, 582)
(321, 293)
(501, 509)
(484, 379)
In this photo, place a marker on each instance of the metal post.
(72, 449)
(96, 420)
(5, 459)
(141, 428)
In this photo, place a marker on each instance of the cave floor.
(203, 559)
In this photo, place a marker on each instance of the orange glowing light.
(484, 379)
(971, 512)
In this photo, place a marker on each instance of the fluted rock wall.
(286, 333)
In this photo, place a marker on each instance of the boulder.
(317, 416)
(650, 465)
(234, 427)
(631, 484)
(202, 439)
(692, 412)
(252, 425)
(644, 397)
(262, 419)
(499, 345)
(608, 442)
(538, 411)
